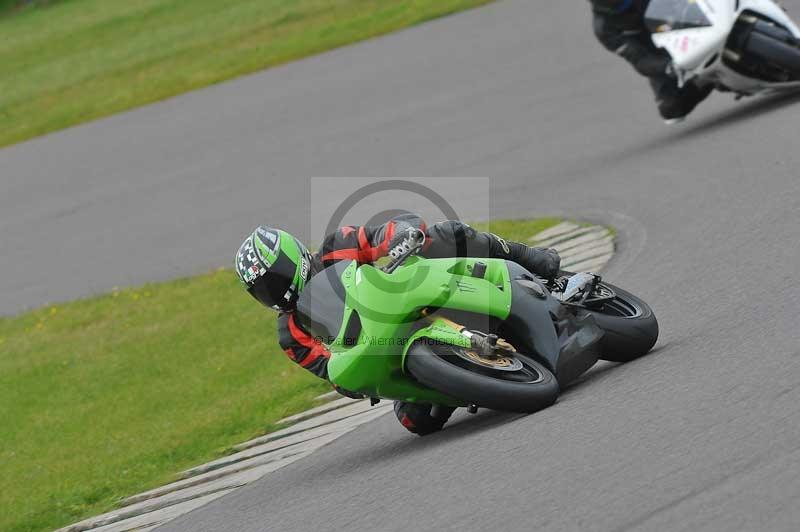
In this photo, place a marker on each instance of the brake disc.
(499, 362)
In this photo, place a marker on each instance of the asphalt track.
(704, 434)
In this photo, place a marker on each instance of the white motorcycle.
(746, 47)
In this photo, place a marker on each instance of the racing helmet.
(274, 267)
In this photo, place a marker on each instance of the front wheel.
(511, 382)
(630, 327)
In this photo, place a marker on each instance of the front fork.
(486, 344)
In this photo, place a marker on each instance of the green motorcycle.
(468, 332)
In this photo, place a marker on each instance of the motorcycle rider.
(619, 26)
(274, 266)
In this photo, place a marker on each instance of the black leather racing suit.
(366, 244)
(619, 26)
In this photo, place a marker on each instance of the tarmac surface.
(704, 434)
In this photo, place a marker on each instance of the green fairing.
(390, 310)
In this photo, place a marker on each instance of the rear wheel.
(764, 50)
(630, 327)
(511, 382)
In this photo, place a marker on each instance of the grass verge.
(67, 62)
(106, 397)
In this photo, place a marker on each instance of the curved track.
(702, 435)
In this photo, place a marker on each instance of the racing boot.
(675, 104)
(544, 262)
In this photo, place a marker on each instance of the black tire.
(526, 391)
(775, 52)
(631, 328)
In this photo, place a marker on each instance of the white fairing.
(696, 52)
(771, 10)
(690, 47)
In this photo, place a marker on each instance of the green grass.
(109, 396)
(517, 230)
(66, 62)
(106, 397)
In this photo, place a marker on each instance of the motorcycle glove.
(405, 241)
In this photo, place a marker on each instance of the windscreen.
(668, 15)
(320, 308)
